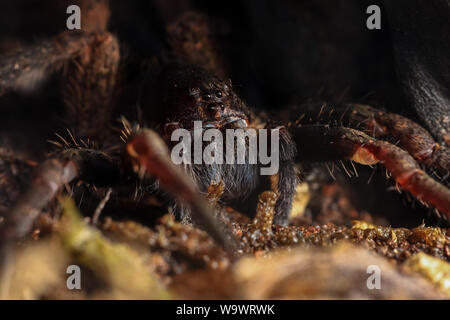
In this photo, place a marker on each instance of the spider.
(189, 86)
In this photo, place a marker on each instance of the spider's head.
(217, 105)
(188, 94)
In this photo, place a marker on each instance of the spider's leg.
(191, 40)
(150, 154)
(95, 14)
(50, 176)
(89, 85)
(90, 78)
(284, 182)
(91, 57)
(376, 123)
(325, 143)
(421, 40)
(24, 69)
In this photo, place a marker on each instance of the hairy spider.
(189, 87)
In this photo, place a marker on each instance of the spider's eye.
(219, 94)
(207, 96)
(213, 107)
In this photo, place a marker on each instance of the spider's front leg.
(284, 182)
(325, 143)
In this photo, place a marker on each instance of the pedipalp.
(151, 155)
